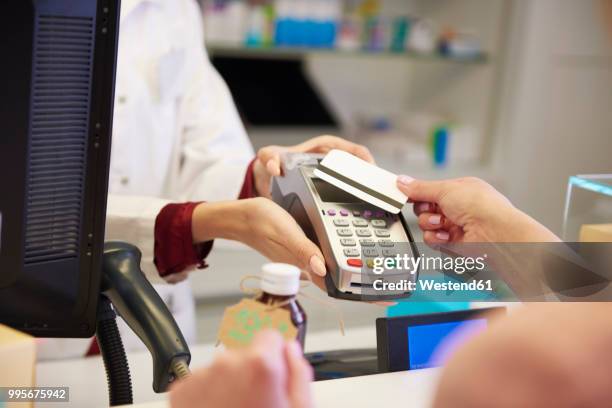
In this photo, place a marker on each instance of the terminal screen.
(332, 194)
(424, 341)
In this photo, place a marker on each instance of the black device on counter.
(335, 364)
(57, 81)
(411, 342)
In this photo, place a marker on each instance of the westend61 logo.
(459, 264)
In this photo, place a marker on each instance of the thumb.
(300, 377)
(306, 253)
(420, 190)
(270, 159)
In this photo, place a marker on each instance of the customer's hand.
(469, 210)
(261, 224)
(268, 161)
(547, 355)
(269, 374)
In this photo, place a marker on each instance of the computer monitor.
(56, 103)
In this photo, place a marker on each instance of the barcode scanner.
(136, 301)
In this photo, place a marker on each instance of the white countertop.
(87, 379)
(413, 389)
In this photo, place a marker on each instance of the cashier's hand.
(469, 210)
(269, 374)
(261, 224)
(546, 355)
(268, 161)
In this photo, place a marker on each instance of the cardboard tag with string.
(248, 317)
(242, 321)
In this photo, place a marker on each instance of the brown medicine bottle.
(280, 283)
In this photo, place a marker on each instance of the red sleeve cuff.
(248, 186)
(174, 247)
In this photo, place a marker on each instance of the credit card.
(364, 180)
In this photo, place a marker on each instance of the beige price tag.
(242, 321)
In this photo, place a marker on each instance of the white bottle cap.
(280, 279)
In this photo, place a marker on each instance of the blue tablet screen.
(423, 341)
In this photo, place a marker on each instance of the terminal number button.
(341, 223)
(386, 243)
(345, 232)
(379, 223)
(370, 252)
(367, 242)
(363, 232)
(348, 242)
(382, 233)
(351, 252)
(360, 223)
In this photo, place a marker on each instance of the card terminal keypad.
(370, 226)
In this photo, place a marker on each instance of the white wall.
(555, 117)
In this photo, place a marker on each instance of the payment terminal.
(349, 231)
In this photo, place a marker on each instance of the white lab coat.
(176, 137)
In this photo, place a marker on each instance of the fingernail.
(423, 207)
(435, 219)
(443, 236)
(405, 180)
(317, 266)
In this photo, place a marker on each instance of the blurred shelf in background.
(417, 81)
(297, 53)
